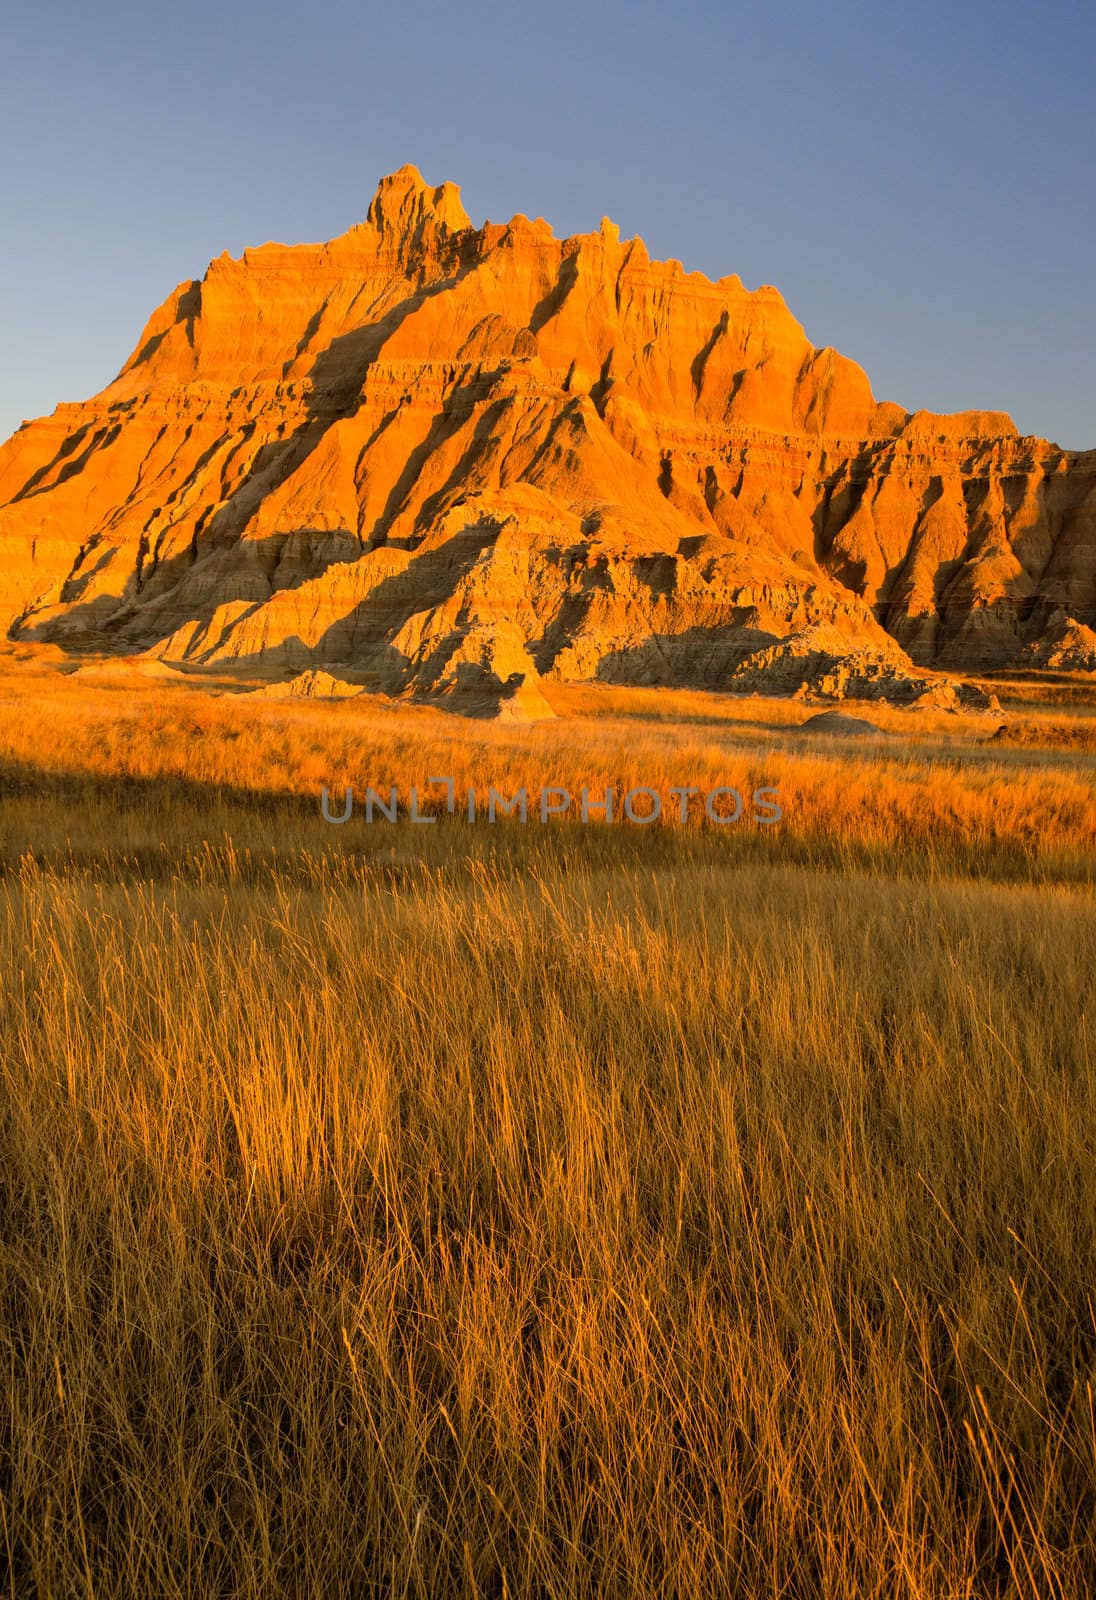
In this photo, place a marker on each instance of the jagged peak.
(404, 200)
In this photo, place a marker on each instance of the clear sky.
(918, 180)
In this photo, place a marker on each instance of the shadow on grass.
(123, 828)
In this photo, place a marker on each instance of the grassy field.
(454, 1210)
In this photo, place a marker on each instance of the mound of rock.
(819, 662)
(525, 702)
(840, 723)
(1067, 646)
(313, 684)
(125, 670)
(482, 670)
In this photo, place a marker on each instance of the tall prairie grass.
(572, 1212)
(933, 793)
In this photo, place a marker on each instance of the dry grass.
(923, 802)
(563, 1212)
(1050, 734)
(1043, 689)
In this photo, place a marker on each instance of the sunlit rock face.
(448, 459)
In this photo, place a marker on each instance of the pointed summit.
(404, 202)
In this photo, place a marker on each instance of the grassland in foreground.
(557, 1211)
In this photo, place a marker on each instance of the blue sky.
(918, 182)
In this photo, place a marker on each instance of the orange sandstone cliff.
(438, 457)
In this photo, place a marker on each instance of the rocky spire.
(404, 205)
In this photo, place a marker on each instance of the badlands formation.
(449, 461)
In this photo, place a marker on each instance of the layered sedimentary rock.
(1064, 646)
(435, 458)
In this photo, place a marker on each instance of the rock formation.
(841, 726)
(1064, 645)
(444, 459)
(312, 684)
